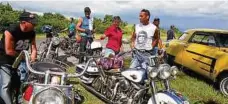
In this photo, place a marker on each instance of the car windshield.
(223, 40)
(182, 37)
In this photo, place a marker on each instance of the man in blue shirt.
(86, 28)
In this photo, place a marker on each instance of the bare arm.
(34, 50)
(9, 44)
(155, 38)
(133, 37)
(103, 37)
(79, 24)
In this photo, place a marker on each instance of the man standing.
(86, 28)
(114, 34)
(71, 29)
(143, 38)
(156, 22)
(171, 34)
(15, 39)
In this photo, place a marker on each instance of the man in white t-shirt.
(143, 38)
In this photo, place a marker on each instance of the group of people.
(21, 36)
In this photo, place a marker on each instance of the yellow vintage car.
(204, 51)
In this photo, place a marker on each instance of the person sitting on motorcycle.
(16, 38)
(86, 29)
(143, 38)
(114, 34)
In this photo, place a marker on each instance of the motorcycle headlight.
(153, 72)
(164, 71)
(174, 70)
(49, 96)
(55, 40)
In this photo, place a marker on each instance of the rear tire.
(223, 84)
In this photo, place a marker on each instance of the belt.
(148, 51)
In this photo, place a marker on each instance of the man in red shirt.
(114, 34)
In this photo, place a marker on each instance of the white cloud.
(208, 9)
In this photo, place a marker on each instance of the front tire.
(223, 85)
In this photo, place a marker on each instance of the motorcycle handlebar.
(25, 55)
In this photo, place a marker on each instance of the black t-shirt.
(22, 41)
(170, 34)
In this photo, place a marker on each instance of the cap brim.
(33, 21)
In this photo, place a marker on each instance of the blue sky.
(184, 14)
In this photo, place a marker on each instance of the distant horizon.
(183, 14)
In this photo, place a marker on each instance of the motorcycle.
(129, 86)
(164, 73)
(47, 82)
(51, 48)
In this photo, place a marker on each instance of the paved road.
(73, 60)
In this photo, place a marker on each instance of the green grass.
(197, 91)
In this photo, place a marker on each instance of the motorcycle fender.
(167, 98)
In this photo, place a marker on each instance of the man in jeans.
(86, 28)
(15, 39)
(156, 22)
(143, 39)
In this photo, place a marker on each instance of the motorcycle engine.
(124, 85)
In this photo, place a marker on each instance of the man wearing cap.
(86, 28)
(16, 38)
(156, 22)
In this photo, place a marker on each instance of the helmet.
(46, 28)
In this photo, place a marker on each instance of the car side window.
(197, 38)
(204, 38)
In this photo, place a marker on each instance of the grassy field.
(190, 85)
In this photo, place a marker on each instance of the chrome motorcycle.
(51, 47)
(114, 85)
(47, 82)
(129, 86)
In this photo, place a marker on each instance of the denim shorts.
(109, 51)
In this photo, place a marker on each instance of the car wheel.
(223, 85)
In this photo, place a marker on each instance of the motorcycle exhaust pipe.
(115, 90)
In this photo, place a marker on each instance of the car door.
(203, 53)
(189, 53)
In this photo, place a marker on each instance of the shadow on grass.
(207, 102)
(199, 77)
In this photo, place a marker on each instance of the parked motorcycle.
(51, 48)
(47, 82)
(129, 86)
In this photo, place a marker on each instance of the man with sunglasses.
(86, 28)
(16, 38)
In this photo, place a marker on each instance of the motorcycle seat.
(113, 71)
(44, 66)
